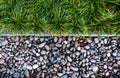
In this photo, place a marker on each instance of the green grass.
(60, 16)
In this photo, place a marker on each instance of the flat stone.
(1, 61)
(29, 67)
(42, 45)
(35, 66)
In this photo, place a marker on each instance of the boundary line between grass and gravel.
(92, 35)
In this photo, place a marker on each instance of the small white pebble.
(78, 48)
(1, 61)
(35, 66)
(37, 54)
(0, 56)
(69, 59)
(107, 73)
(65, 42)
(96, 40)
(118, 62)
(105, 41)
(29, 67)
(95, 68)
(105, 66)
(27, 41)
(74, 68)
(108, 54)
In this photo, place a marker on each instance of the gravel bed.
(59, 57)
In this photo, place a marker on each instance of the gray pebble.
(47, 47)
(42, 45)
(16, 75)
(29, 67)
(87, 47)
(96, 40)
(78, 48)
(27, 74)
(55, 39)
(43, 52)
(74, 68)
(1, 61)
(95, 68)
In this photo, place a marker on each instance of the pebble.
(55, 39)
(0, 56)
(85, 75)
(77, 53)
(105, 66)
(65, 42)
(105, 41)
(114, 54)
(16, 75)
(3, 43)
(59, 74)
(47, 47)
(74, 68)
(63, 61)
(27, 41)
(108, 54)
(1, 61)
(35, 66)
(42, 45)
(29, 67)
(43, 52)
(107, 74)
(37, 54)
(87, 47)
(96, 40)
(83, 51)
(95, 68)
(27, 74)
(78, 48)
(69, 59)
(93, 61)
(118, 62)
